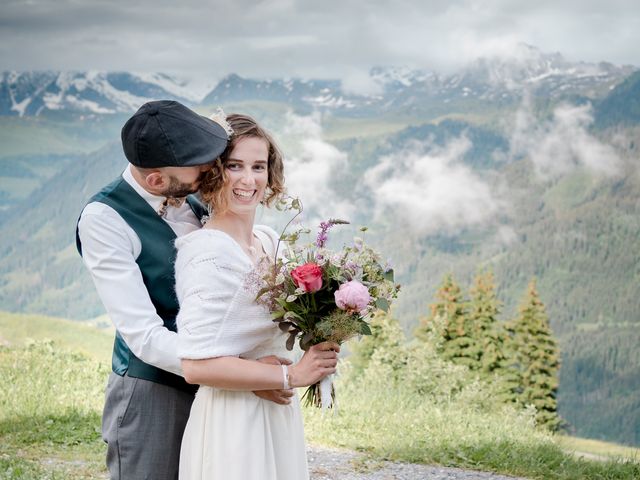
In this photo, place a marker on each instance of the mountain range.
(486, 80)
(572, 222)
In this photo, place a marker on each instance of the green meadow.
(53, 372)
(22, 329)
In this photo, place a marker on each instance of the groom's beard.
(178, 189)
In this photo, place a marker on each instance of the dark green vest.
(156, 262)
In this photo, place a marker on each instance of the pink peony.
(308, 277)
(352, 296)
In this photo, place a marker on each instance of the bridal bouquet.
(316, 295)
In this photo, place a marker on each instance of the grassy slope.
(21, 329)
(49, 418)
(422, 410)
(55, 370)
(595, 448)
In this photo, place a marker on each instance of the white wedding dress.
(232, 435)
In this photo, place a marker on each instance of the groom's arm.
(109, 251)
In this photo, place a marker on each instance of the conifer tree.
(488, 332)
(449, 327)
(492, 336)
(536, 358)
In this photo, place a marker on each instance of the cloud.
(432, 193)
(506, 235)
(295, 38)
(280, 42)
(311, 165)
(426, 189)
(359, 82)
(561, 144)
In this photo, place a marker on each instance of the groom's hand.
(282, 397)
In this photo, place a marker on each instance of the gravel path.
(330, 464)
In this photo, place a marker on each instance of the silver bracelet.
(285, 377)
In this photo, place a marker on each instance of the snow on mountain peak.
(526, 65)
(404, 76)
(191, 90)
(91, 92)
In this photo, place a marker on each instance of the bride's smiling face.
(247, 174)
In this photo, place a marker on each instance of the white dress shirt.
(110, 248)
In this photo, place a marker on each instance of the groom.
(125, 235)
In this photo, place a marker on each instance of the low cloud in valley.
(562, 143)
(433, 192)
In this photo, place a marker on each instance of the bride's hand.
(316, 363)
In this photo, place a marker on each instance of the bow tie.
(175, 202)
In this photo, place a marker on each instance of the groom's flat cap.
(165, 133)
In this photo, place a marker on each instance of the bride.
(233, 434)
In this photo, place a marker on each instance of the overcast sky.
(286, 38)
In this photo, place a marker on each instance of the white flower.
(291, 298)
(279, 279)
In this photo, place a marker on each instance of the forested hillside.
(600, 383)
(39, 265)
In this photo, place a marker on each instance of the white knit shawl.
(218, 313)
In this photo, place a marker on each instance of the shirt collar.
(154, 200)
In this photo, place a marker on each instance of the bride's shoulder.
(266, 230)
(205, 241)
(193, 238)
(268, 236)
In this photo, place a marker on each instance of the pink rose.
(308, 277)
(352, 296)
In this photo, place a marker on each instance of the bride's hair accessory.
(221, 119)
(207, 216)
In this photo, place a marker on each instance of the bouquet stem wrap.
(321, 394)
(326, 392)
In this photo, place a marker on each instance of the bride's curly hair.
(211, 188)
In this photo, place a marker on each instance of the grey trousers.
(142, 424)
